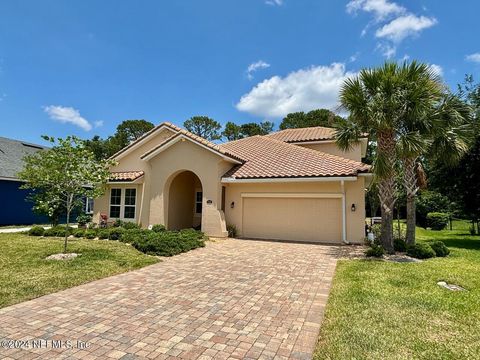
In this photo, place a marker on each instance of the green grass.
(25, 274)
(380, 310)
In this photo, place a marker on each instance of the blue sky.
(81, 67)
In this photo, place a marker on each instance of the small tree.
(64, 175)
(204, 126)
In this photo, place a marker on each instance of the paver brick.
(238, 299)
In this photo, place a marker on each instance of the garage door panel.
(301, 219)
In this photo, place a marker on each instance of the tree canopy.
(319, 117)
(127, 131)
(204, 126)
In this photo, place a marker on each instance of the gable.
(130, 158)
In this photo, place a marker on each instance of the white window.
(130, 199)
(198, 202)
(123, 207)
(88, 206)
(115, 203)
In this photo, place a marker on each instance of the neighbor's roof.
(125, 176)
(267, 157)
(12, 153)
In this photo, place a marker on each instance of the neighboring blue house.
(16, 210)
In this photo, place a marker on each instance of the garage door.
(300, 219)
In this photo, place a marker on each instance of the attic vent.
(32, 146)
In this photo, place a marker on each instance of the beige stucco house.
(290, 185)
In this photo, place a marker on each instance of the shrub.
(375, 251)
(36, 231)
(440, 249)
(103, 234)
(437, 220)
(232, 231)
(158, 228)
(58, 230)
(131, 235)
(127, 225)
(79, 233)
(90, 234)
(420, 251)
(399, 245)
(377, 231)
(430, 201)
(83, 219)
(118, 223)
(116, 233)
(168, 243)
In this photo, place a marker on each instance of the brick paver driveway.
(236, 299)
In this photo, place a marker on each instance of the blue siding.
(15, 209)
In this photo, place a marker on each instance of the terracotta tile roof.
(194, 137)
(267, 157)
(125, 176)
(304, 134)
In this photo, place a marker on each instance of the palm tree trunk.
(387, 188)
(411, 188)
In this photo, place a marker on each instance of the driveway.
(237, 299)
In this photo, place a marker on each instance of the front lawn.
(383, 310)
(25, 274)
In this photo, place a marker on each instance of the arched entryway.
(185, 202)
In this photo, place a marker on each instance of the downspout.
(344, 214)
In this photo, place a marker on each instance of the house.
(294, 184)
(19, 209)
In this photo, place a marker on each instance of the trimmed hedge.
(79, 233)
(420, 251)
(116, 233)
(167, 243)
(437, 220)
(59, 231)
(158, 228)
(36, 231)
(90, 234)
(441, 250)
(103, 234)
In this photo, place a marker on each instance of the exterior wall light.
(353, 208)
(232, 205)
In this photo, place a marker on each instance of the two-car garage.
(298, 217)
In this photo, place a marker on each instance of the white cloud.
(381, 9)
(354, 57)
(405, 26)
(274, 2)
(387, 50)
(394, 22)
(65, 114)
(473, 57)
(437, 69)
(98, 123)
(301, 90)
(260, 64)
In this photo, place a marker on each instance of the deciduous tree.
(64, 175)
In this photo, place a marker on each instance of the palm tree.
(375, 101)
(422, 90)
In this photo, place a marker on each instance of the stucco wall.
(354, 192)
(208, 166)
